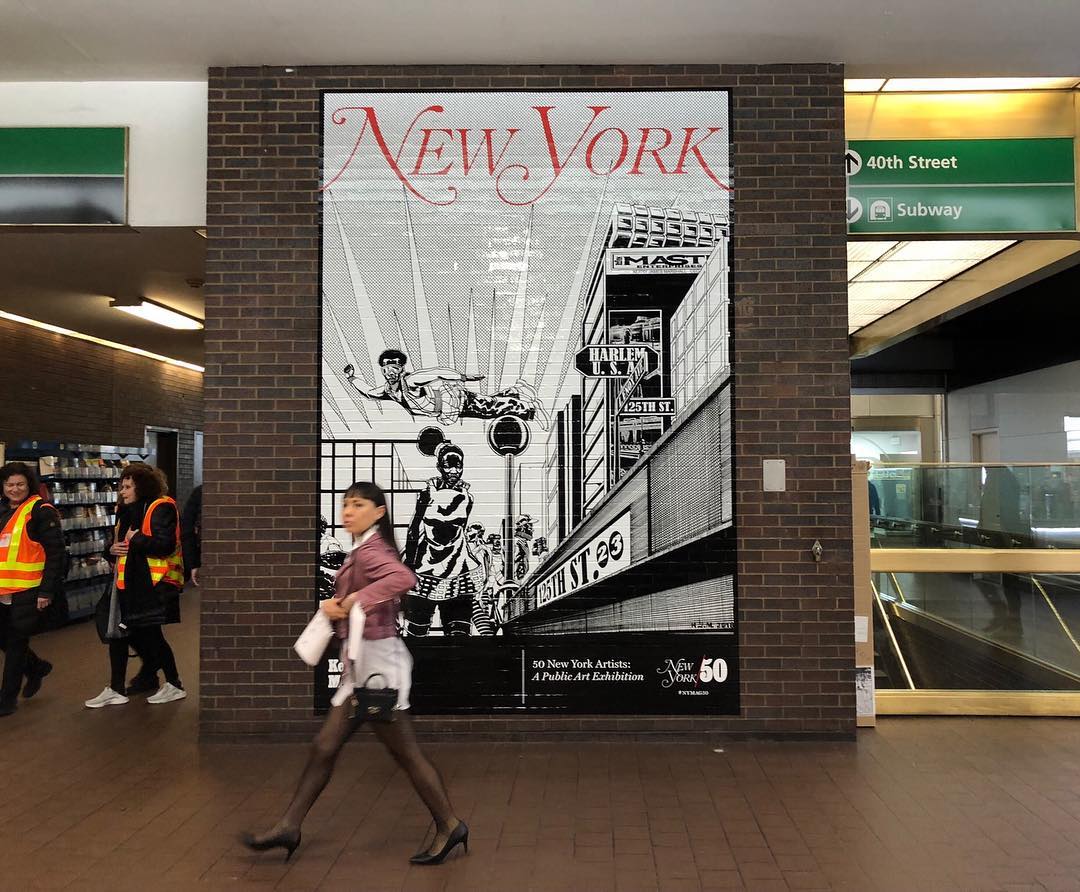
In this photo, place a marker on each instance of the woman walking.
(32, 555)
(374, 578)
(149, 576)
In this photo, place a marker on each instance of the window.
(1072, 435)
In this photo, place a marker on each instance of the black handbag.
(373, 704)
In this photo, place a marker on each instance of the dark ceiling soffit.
(1005, 290)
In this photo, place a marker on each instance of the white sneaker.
(108, 697)
(166, 694)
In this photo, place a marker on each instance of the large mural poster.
(525, 342)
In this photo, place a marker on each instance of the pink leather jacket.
(375, 573)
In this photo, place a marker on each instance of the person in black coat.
(191, 534)
(148, 580)
(41, 541)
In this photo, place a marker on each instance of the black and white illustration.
(525, 326)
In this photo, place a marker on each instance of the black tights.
(150, 644)
(399, 740)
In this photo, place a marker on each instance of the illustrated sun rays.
(543, 362)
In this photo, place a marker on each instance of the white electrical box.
(774, 475)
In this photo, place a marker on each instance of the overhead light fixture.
(68, 333)
(950, 249)
(884, 276)
(867, 251)
(957, 84)
(863, 84)
(975, 84)
(152, 311)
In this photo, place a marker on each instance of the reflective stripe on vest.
(22, 560)
(170, 568)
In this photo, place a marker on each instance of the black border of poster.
(627, 673)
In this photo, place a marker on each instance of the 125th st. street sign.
(960, 185)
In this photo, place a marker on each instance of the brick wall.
(790, 364)
(60, 388)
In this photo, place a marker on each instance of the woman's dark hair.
(149, 482)
(14, 468)
(371, 492)
(447, 449)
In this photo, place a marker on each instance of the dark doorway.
(165, 448)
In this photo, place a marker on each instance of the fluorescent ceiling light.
(894, 270)
(971, 84)
(867, 250)
(884, 276)
(863, 84)
(958, 249)
(68, 333)
(162, 315)
(887, 292)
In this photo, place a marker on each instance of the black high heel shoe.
(281, 840)
(458, 836)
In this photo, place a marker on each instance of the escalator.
(953, 631)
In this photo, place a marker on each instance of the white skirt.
(388, 657)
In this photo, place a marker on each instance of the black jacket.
(141, 602)
(45, 529)
(191, 531)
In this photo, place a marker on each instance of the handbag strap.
(386, 683)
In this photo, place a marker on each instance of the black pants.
(17, 623)
(456, 615)
(150, 644)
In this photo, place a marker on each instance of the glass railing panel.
(975, 506)
(970, 631)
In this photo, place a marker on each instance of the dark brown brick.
(791, 391)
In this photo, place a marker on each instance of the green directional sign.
(960, 185)
(63, 175)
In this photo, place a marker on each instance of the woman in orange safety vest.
(31, 576)
(148, 575)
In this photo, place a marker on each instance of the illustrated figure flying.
(440, 393)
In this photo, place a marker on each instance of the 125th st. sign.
(616, 360)
(604, 555)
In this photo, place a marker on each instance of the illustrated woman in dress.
(448, 574)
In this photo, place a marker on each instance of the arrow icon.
(854, 209)
(852, 162)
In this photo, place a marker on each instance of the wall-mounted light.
(152, 311)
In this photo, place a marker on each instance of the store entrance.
(102, 330)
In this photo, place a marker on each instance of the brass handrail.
(892, 636)
(1053, 609)
(896, 584)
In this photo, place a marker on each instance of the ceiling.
(1033, 328)
(68, 277)
(140, 40)
(885, 275)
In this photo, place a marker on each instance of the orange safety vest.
(22, 560)
(170, 568)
